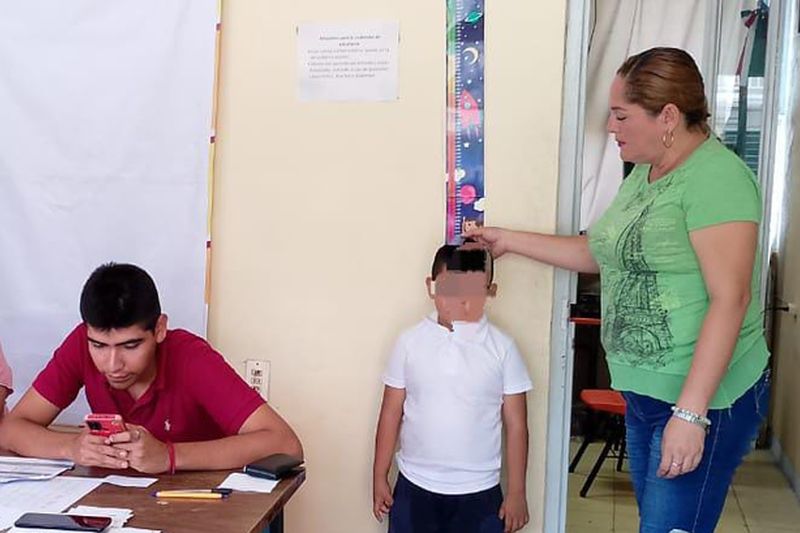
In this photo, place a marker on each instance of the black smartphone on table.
(65, 522)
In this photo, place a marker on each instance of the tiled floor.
(760, 500)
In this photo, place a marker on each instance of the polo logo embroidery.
(167, 425)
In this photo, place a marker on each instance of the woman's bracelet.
(692, 418)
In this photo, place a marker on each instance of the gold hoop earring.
(668, 139)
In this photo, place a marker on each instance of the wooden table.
(241, 512)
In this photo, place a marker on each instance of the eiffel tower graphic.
(639, 329)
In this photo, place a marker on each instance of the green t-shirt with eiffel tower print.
(654, 298)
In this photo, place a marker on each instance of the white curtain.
(732, 40)
(104, 156)
(620, 29)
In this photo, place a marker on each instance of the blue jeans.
(691, 502)
(416, 510)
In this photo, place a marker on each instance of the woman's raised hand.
(495, 239)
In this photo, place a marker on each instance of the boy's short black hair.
(119, 296)
(457, 259)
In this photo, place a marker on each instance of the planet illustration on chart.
(468, 194)
(473, 55)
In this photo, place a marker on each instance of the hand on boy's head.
(495, 239)
(93, 450)
(472, 244)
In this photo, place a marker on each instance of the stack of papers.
(50, 496)
(37, 489)
(118, 519)
(30, 469)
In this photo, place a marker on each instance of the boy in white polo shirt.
(452, 383)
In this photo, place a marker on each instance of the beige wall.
(786, 395)
(326, 217)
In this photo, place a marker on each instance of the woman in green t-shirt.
(676, 255)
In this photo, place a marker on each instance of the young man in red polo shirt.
(183, 405)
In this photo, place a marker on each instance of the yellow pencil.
(189, 494)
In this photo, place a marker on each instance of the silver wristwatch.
(689, 416)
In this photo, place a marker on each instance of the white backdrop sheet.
(104, 153)
(622, 28)
(625, 27)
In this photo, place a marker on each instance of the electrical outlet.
(256, 374)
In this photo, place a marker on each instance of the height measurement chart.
(464, 177)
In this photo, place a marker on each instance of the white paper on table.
(8, 515)
(30, 468)
(130, 481)
(51, 496)
(117, 515)
(245, 483)
(33, 530)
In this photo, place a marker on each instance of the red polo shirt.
(196, 395)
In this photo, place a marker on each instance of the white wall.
(106, 109)
(326, 217)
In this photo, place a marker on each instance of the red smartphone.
(104, 425)
(63, 521)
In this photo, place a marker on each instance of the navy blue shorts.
(416, 510)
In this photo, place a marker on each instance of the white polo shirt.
(455, 381)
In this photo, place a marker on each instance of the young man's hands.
(143, 451)
(514, 512)
(135, 448)
(381, 498)
(92, 450)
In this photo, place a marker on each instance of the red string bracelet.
(171, 453)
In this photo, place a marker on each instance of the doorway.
(742, 114)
